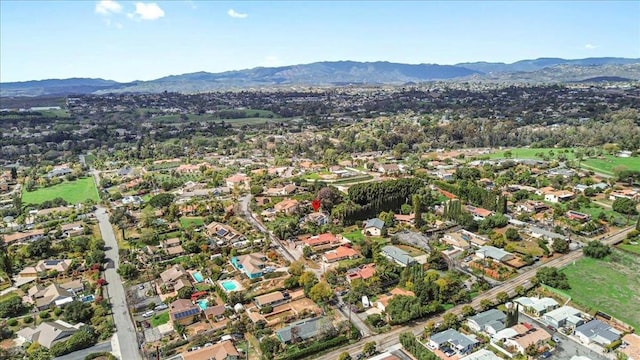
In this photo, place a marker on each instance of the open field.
(605, 164)
(611, 285)
(634, 248)
(74, 192)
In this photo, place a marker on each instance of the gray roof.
(397, 254)
(596, 328)
(306, 329)
(454, 337)
(543, 232)
(49, 332)
(374, 223)
(487, 317)
(494, 253)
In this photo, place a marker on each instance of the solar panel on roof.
(51, 262)
(186, 313)
(222, 232)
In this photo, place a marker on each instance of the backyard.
(191, 221)
(610, 285)
(73, 192)
(159, 319)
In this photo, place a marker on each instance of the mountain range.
(345, 73)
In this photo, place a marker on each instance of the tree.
(417, 210)
(560, 246)
(191, 247)
(307, 280)
(624, 206)
(512, 234)
(321, 292)
(550, 276)
(128, 271)
(307, 251)
(485, 304)
(162, 200)
(597, 250)
(502, 297)
(520, 290)
(11, 307)
(468, 310)
(370, 348)
(77, 311)
(269, 346)
(450, 320)
(532, 349)
(329, 197)
(185, 292)
(344, 356)
(296, 268)
(14, 173)
(39, 248)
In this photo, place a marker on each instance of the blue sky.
(126, 41)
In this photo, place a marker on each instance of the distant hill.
(541, 63)
(342, 73)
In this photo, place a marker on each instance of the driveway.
(80, 354)
(125, 332)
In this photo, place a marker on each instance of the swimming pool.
(202, 303)
(230, 285)
(197, 276)
(88, 298)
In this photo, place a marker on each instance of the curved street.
(125, 331)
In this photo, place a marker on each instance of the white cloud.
(590, 47)
(236, 15)
(106, 7)
(148, 11)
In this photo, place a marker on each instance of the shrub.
(105, 354)
(44, 315)
(12, 322)
(27, 319)
(57, 311)
(315, 348)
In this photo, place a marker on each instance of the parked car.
(148, 314)
(555, 339)
(160, 307)
(545, 355)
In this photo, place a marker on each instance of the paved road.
(80, 354)
(390, 338)
(125, 332)
(244, 207)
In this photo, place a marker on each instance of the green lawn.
(72, 191)
(634, 248)
(355, 236)
(195, 221)
(611, 285)
(531, 153)
(160, 319)
(606, 163)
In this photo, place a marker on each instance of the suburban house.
(223, 232)
(532, 207)
(627, 193)
(44, 266)
(183, 312)
(373, 227)
(596, 331)
(564, 316)
(632, 348)
(321, 239)
(44, 297)
(224, 350)
(405, 219)
(490, 321)
(23, 237)
(49, 333)
(478, 213)
(540, 233)
(388, 168)
(511, 332)
(482, 354)
(558, 196)
(452, 338)
(578, 216)
(174, 277)
(239, 180)
(383, 300)
(462, 238)
(192, 168)
(74, 286)
(533, 336)
(494, 253)
(215, 313)
(317, 218)
(59, 172)
(271, 299)
(287, 206)
(536, 306)
(340, 253)
(303, 330)
(281, 191)
(397, 255)
(363, 272)
(251, 265)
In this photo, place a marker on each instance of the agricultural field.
(610, 285)
(73, 192)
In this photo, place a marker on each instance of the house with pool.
(252, 265)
